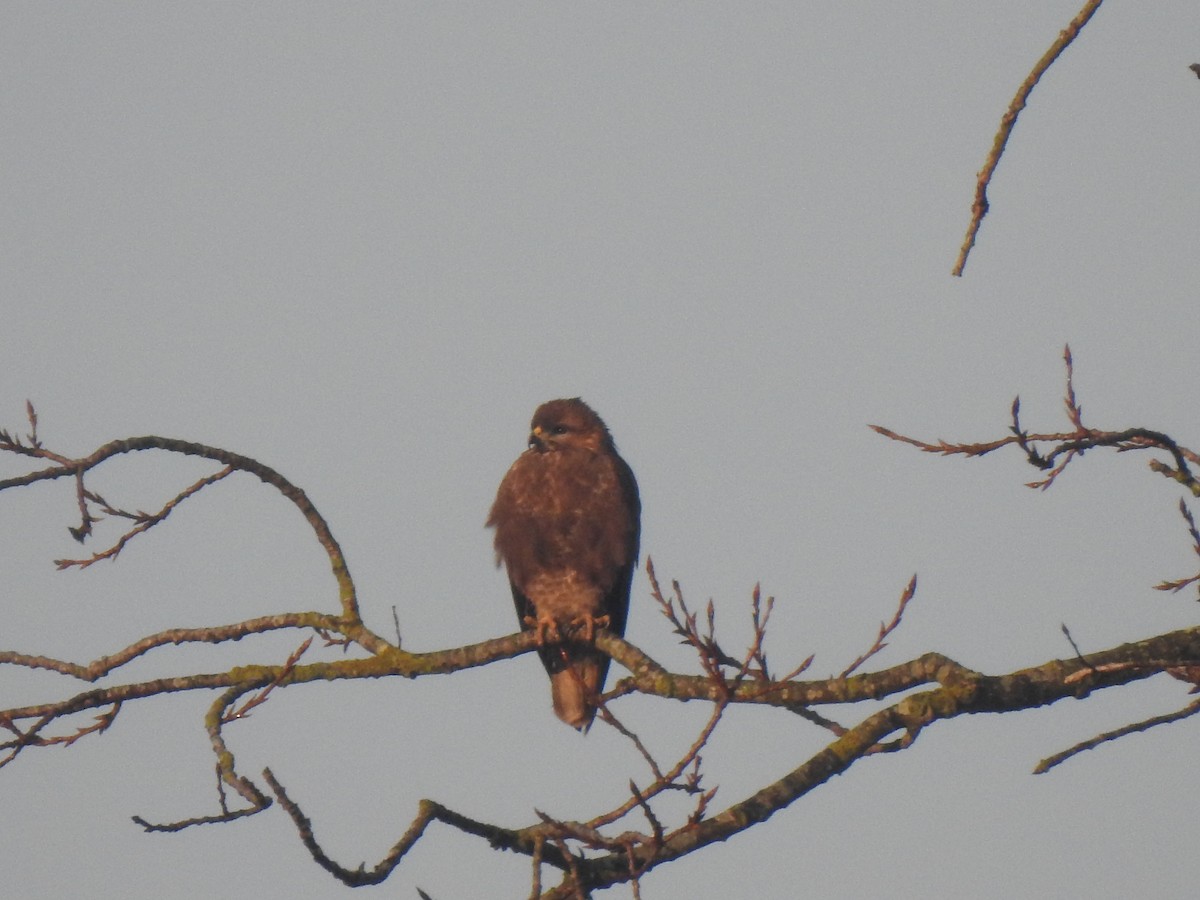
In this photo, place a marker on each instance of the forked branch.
(635, 834)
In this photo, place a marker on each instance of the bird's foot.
(585, 627)
(546, 628)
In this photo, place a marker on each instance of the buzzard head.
(567, 424)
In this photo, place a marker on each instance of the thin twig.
(1070, 445)
(979, 208)
(260, 698)
(1146, 724)
(145, 521)
(1176, 586)
(885, 628)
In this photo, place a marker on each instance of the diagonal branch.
(1058, 758)
(144, 521)
(885, 628)
(979, 208)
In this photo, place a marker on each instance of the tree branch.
(1008, 121)
(592, 854)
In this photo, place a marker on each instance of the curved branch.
(928, 689)
(77, 467)
(979, 208)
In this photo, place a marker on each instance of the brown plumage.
(567, 520)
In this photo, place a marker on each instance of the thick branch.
(589, 856)
(961, 692)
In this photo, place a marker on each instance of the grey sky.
(362, 242)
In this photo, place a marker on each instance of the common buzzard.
(567, 529)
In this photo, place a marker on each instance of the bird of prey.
(567, 520)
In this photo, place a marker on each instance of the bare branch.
(590, 853)
(1176, 586)
(76, 468)
(979, 208)
(261, 697)
(1058, 758)
(145, 521)
(31, 414)
(885, 628)
(102, 666)
(1070, 445)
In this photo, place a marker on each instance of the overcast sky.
(361, 242)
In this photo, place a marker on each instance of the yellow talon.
(588, 625)
(546, 628)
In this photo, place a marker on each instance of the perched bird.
(567, 520)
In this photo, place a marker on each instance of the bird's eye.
(559, 429)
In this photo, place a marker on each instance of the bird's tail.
(573, 685)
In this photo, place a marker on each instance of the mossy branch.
(634, 836)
